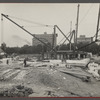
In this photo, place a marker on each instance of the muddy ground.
(47, 82)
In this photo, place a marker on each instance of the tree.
(94, 48)
(3, 47)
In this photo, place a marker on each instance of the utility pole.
(77, 23)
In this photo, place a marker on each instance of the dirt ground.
(48, 82)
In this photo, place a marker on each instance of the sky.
(33, 16)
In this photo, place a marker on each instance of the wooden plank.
(70, 72)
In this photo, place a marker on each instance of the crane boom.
(98, 24)
(6, 16)
(63, 33)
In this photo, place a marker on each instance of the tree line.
(26, 49)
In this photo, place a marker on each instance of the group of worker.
(24, 61)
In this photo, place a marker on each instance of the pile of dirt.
(43, 77)
(16, 91)
(48, 80)
(61, 82)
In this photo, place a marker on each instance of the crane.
(7, 17)
(96, 35)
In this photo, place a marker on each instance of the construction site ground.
(48, 82)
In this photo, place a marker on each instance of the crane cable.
(6, 16)
(28, 21)
(86, 14)
(81, 19)
(95, 34)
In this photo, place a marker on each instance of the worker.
(12, 58)
(7, 61)
(68, 57)
(78, 56)
(25, 62)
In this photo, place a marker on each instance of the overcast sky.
(46, 14)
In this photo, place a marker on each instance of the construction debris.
(81, 76)
(62, 77)
(9, 74)
(50, 94)
(94, 68)
(16, 91)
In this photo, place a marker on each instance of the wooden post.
(70, 32)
